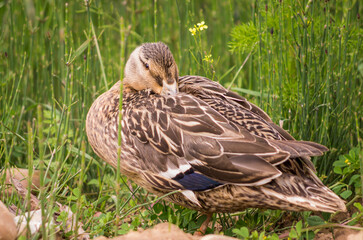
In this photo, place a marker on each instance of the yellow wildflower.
(347, 161)
(198, 28)
(202, 26)
(208, 58)
(193, 31)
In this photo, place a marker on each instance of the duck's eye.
(147, 66)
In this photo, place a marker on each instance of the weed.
(347, 168)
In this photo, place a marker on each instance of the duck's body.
(223, 153)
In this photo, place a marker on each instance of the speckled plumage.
(223, 153)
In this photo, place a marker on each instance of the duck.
(207, 147)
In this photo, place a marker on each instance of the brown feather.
(208, 131)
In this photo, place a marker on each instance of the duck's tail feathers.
(300, 148)
(303, 194)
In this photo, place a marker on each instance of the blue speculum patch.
(197, 182)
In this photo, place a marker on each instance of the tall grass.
(306, 63)
(304, 68)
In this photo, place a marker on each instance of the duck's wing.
(232, 105)
(237, 109)
(247, 115)
(182, 138)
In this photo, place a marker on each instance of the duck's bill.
(169, 89)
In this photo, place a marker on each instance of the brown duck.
(191, 134)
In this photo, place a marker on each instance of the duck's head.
(152, 66)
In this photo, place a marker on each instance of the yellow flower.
(202, 26)
(198, 28)
(193, 31)
(347, 161)
(208, 58)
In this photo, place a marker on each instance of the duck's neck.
(116, 86)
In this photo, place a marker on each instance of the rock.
(217, 237)
(7, 225)
(165, 231)
(35, 223)
(348, 234)
(340, 234)
(22, 176)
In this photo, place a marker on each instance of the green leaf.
(74, 208)
(353, 221)
(315, 221)
(353, 152)
(63, 216)
(338, 170)
(125, 228)
(298, 227)
(308, 235)
(346, 170)
(337, 188)
(354, 178)
(339, 164)
(262, 236)
(293, 233)
(346, 194)
(274, 237)
(192, 226)
(254, 234)
(76, 192)
(358, 205)
(350, 158)
(243, 232)
(72, 198)
(93, 182)
(201, 220)
(158, 207)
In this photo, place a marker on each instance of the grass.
(301, 61)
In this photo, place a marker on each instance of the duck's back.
(172, 143)
(233, 106)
